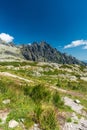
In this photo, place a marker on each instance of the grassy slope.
(35, 101)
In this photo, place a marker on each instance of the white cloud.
(85, 47)
(77, 43)
(6, 38)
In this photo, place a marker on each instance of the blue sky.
(59, 22)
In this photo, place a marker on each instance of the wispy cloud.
(6, 38)
(85, 47)
(77, 43)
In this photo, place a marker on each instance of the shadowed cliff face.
(44, 52)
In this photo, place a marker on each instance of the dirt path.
(52, 87)
(68, 92)
(14, 76)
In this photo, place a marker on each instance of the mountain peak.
(43, 43)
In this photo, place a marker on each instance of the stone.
(3, 115)
(13, 124)
(36, 127)
(80, 125)
(7, 101)
(77, 101)
(74, 106)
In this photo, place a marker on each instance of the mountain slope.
(51, 96)
(45, 53)
(9, 52)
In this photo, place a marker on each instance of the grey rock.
(74, 106)
(80, 125)
(13, 124)
(36, 127)
(4, 115)
(7, 101)
(77, 101)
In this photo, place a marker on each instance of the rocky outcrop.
(75, 122)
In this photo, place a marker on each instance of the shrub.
(28, 121)
(37, 93)
(3, 88)
(48, 120)
(0, 120)
(59, 83)
(69, 120)
(57, 100)
(37, 113)
(27, 90)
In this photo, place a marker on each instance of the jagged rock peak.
(45, 53)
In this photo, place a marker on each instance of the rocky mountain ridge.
(39, 52)
(43, 52)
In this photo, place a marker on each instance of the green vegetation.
(26, 103)
(18, 64)
(37, 102)
(72, 85)
(57, 100)
(37, 93)
(66, 66)
(48, 120)
(69, 120)
(76, 122)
